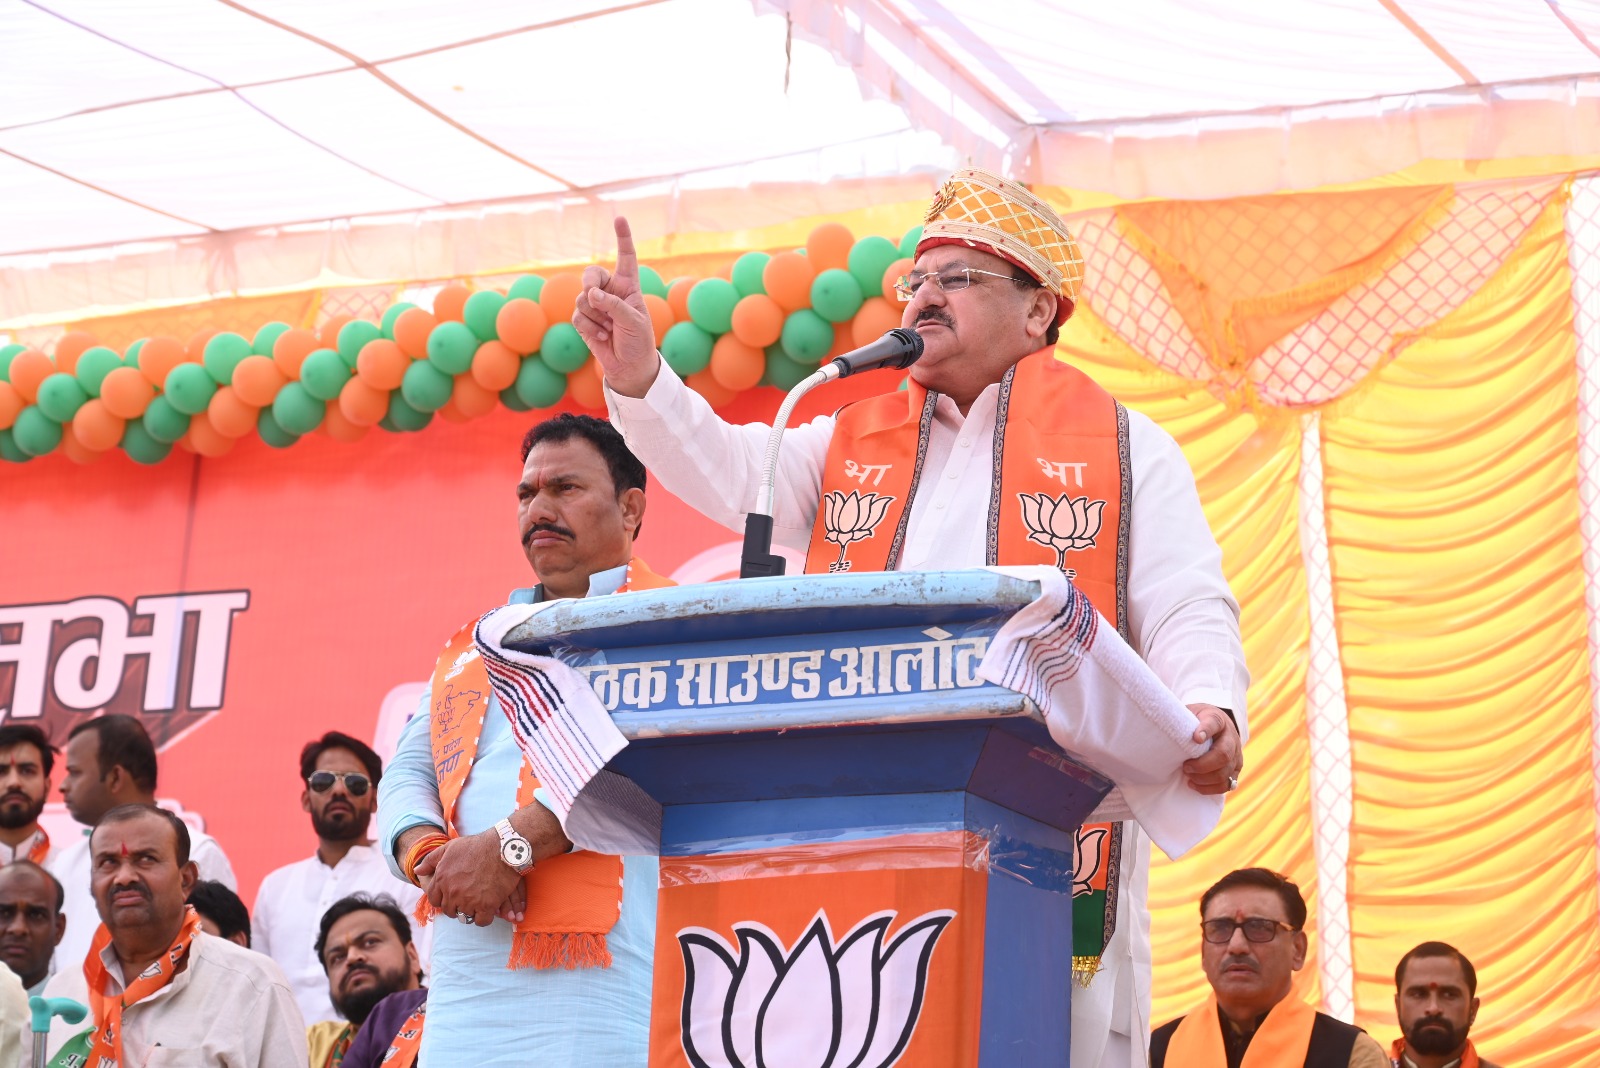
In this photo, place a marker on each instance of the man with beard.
(30, 921)
(1252, 943)
(110, 762)
(160, 989)
(1436, 999)
(365, 945)
(26, 760)
(339, 778)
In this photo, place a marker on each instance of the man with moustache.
(161, 990)
(31, 922)
(1252, 943)
(339, 777)
(364, 943)
(26, 760)
(1436, 1000)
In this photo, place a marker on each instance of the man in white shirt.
(161, 990)
(339, 778)
(995, 277)
(110, 762)
(26, 760)
(31, 923)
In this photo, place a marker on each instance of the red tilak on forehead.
(124, 848)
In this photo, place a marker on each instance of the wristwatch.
(514, 849)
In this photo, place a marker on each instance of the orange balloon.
(257, 380)
(788, 277)
(125, 392)
(70, 346)
(230, 416)
(291, 350)
(195, 349)
(328, 332)
(585, 387)
(186, 443)
(381, 364)
(75, 450)
(411, 330)
(451, 414)
(897, 270)
(757, 320)
(362, 404)
(495, 367)
(661, 317)
(708, 387)
(521, 325)
(842, 341)
(734, 365)
(11, 403)
(678, 297)
(29, 368)
(206, 439)
(471, 398)
(876, 317)
(96, 427)
(338, 426)
(158, 357)
(451, 302)
(829, 246)
(559, 297)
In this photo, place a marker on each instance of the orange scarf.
(1469, 1056)
(40, 848)
(1062, 488)
(574, 899)
(407, 1041)
(1282, 1040)
(108, 1010)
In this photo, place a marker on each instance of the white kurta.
(1182, 619)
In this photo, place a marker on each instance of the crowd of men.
(466, 929)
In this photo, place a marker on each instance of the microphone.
(897, 348)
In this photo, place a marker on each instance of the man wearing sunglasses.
(339, 777)
(1252, 942)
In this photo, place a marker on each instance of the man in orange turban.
(995, 453)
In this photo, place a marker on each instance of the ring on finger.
(1233, 783)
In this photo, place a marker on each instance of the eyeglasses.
(354, 782)
(952, 281)
(1256, 929)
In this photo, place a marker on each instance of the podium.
(867, 851)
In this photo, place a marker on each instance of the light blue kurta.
(480, 1013)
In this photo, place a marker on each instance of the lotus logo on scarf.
(1086, 859)
(849, 517)
(1062, 523)
(820, 1004)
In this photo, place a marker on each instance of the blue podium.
(867, 851)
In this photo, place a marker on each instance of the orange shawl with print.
(108, 1010)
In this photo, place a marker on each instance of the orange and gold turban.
(982, 210)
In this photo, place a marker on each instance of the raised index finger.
(627, 258)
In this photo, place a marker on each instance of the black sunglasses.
(1256, 929)
(355, 782)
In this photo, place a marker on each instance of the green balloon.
(386, 326)
(747, 273)
(296, 410)
(807, 336)
(687, 348)
(870, 260)
(129, 358)
(650, 282)
(10, 450)
(538, 385)
(529, 286)
(272, 432)
(451, 346)
(60, 396)
(404, 417)
(164, 422)
(836, 296)
(782, 371)
(425, 387)
(6, 353)
(94, 364)
(141, 445)
(324, 374)
(711, 305)
(266, 337)
(353, 337)
(189, 387)
(563, 348)
(509, 398)
(223, 353)
(908, 243)
(35, 432)
(480, 312)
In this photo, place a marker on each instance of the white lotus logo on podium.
(1063, 523)
(820, 1004)
(849, 517)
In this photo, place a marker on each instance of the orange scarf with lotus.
(108, 1010)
